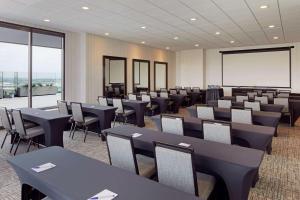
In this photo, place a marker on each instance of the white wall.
(189, 68)
(213, 66)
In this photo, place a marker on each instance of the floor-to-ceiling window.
(31, 66)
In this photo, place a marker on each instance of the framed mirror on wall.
(141, 75)
(114, 76)
(160, 75)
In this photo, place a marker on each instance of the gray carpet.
(279, 172)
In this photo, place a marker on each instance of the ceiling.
(241, 21)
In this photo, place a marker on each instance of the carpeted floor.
(279, 172)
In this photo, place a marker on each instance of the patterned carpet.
(279, 172)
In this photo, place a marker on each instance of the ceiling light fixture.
(176, 38)
(271, 26)
(218, 33)
(107, 34)
(143, 27)
(275, 38)
(46, 20)
(196, 45)
(85, 7)
(232, 41)
(193, 19)
(264, 6)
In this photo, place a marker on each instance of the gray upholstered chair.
(163, 89)
(283, 95)
(25, 134)
(121, 154)
(285, 103)
(255, 106)
(132, 97)
(150, 107)
(143, 93)
(241, 116)
(173, 91)
(80, 120)
(183, 92)
(175, 168)
(153, 94)
(241, 98)
(164, 95)
(205, 112)
(188, 89)
(196, 89)
(224, 103)
(270, 95)
(263, 99)
(121, 112)
(172, 124)
(259, 92)
(252, 94)
(217, 132)
(63, 109)
(102, 101)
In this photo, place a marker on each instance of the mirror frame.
(133, 74)
(158, 62)
(125, 71)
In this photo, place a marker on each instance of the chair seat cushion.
(206, 184)
(90, 120)
(146, 165)
(126, 112)
(33, 132)
(153, 107)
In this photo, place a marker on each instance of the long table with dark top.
(162, 103)
(136, 105)
(77, 177)
(178, 100)
(263, 107)
(236, 166)
(244, 90)
(52, 122)
(252, 136)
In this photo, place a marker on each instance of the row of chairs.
(270, 94)
(188, 89)
(182, 177)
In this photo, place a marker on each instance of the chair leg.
(4, 139)
(74, 131)
(71, 129)
(30, 141)
(17, 146)
(115, 121)
(13, 142)
(125, 120)
(85, 133)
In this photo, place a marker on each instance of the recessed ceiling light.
(275, 38)
(232, 41)
(264, 6)
(196, 45)
(218, 33)
(143, 27)
(168, 48)
(193, 19)
(46, 20)
(106, 34)
(143, 42)
(85, 7)
(271, 26)
(176, 38)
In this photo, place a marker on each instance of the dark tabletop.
(77, 177)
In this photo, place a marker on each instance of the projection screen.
(257, 68)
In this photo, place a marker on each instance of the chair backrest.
(173, 91)
(102, 101)
(62, 107)
(205, 112)
(284, 102)
(241, 98)
(196, 89)
(255, 106)
(77, 112)
(217, 132)
(270, 95)
(183, 92)
(110, 89)
(117, 90)
(163, 90)
(178, 87)
(181, 177)
(274, 92)
(284, 91)
(241, 116)
(164, 95)
(4, 117)
(119, 104)
(147, 98)
(132, 97)
(224, 103)
(259, 92)
(152, 94)
(172, 124)
(143, 92)
(120, 151)
(263, 99)
(188, 89)
(19, 123)
(283, 95)
(251, 94)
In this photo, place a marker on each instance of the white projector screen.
(257, 69)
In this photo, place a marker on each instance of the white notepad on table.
(104, 195)
(43, 167)
(184, 144)
(135, 135)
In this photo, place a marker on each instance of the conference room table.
(138, 106)
(247, 135)
(53, 123)
(263, 107)
(77, 177)
(178, 100)
(162, 103)
(236, 166)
